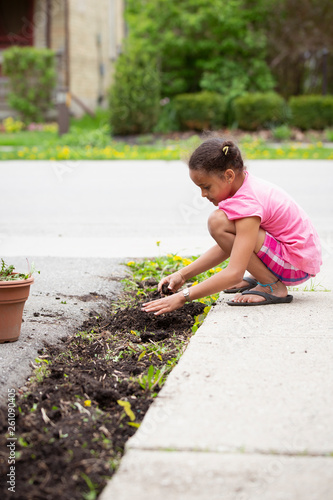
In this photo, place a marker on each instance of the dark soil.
(70, 428)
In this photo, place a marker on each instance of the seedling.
(153, 378)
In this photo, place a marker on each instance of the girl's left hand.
(167, 304)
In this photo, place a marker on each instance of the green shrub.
(329, 134)
(259, 110)
(312, 111)
(167, 120)
(32, 78)
(199, 111)
(135, 93)
(282, 133)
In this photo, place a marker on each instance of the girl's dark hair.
(215, 156)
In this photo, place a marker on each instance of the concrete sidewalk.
(247, 413)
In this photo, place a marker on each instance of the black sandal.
(269, 297)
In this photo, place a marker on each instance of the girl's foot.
(246, 284)
(277, 289)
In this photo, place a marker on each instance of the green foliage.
(217, 46)
(96, 138)
(299, 34)
(142, 270)
(32, 78)
(100, 118)
(199, 111)
(154, 377)
(329, 134)
(167, 120)
(135, 93)
(259, 110)
(282, 133)
(7, 273)
(312, 111)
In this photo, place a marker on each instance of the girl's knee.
(218, 222)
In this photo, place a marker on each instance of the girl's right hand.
(174, 281)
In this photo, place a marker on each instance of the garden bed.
(88, 396)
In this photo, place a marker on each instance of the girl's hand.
(167, 304)
(174, 281)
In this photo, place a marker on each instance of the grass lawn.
(90, 139)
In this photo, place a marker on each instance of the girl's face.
(213, 187)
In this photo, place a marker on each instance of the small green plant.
(12, 126)
(7, 272)
(311, 286)
(41, 371)
(282, 133)
(200, 319)
(153, 378)
(93, 488)
(329, 134)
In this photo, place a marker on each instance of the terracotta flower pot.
(13, 295)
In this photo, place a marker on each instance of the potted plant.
(14, 291)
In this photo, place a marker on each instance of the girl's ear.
(229, 175)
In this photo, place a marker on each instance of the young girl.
(258, 225)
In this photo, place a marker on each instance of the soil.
(86, 398)
(166, 290)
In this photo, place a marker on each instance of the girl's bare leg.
(224, 232)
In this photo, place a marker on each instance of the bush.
(135, 94)
(32, 78)
(282, 133)
(329, 134)
(199, 111)
(311, 111)
(167, 120)
(259, 110)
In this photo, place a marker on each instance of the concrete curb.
(246, 413)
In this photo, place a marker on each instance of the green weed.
(311, 286)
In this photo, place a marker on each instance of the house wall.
(95, 35)
(96, 30)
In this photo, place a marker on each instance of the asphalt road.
(117, 209)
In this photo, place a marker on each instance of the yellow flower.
(87, 402)
(186, 262)
(177, 258)
(218, 269)
(131, 263)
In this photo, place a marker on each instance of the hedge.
(135, 93)
(311, 111)
(32, 78)
(260, 110)
(200, 111)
